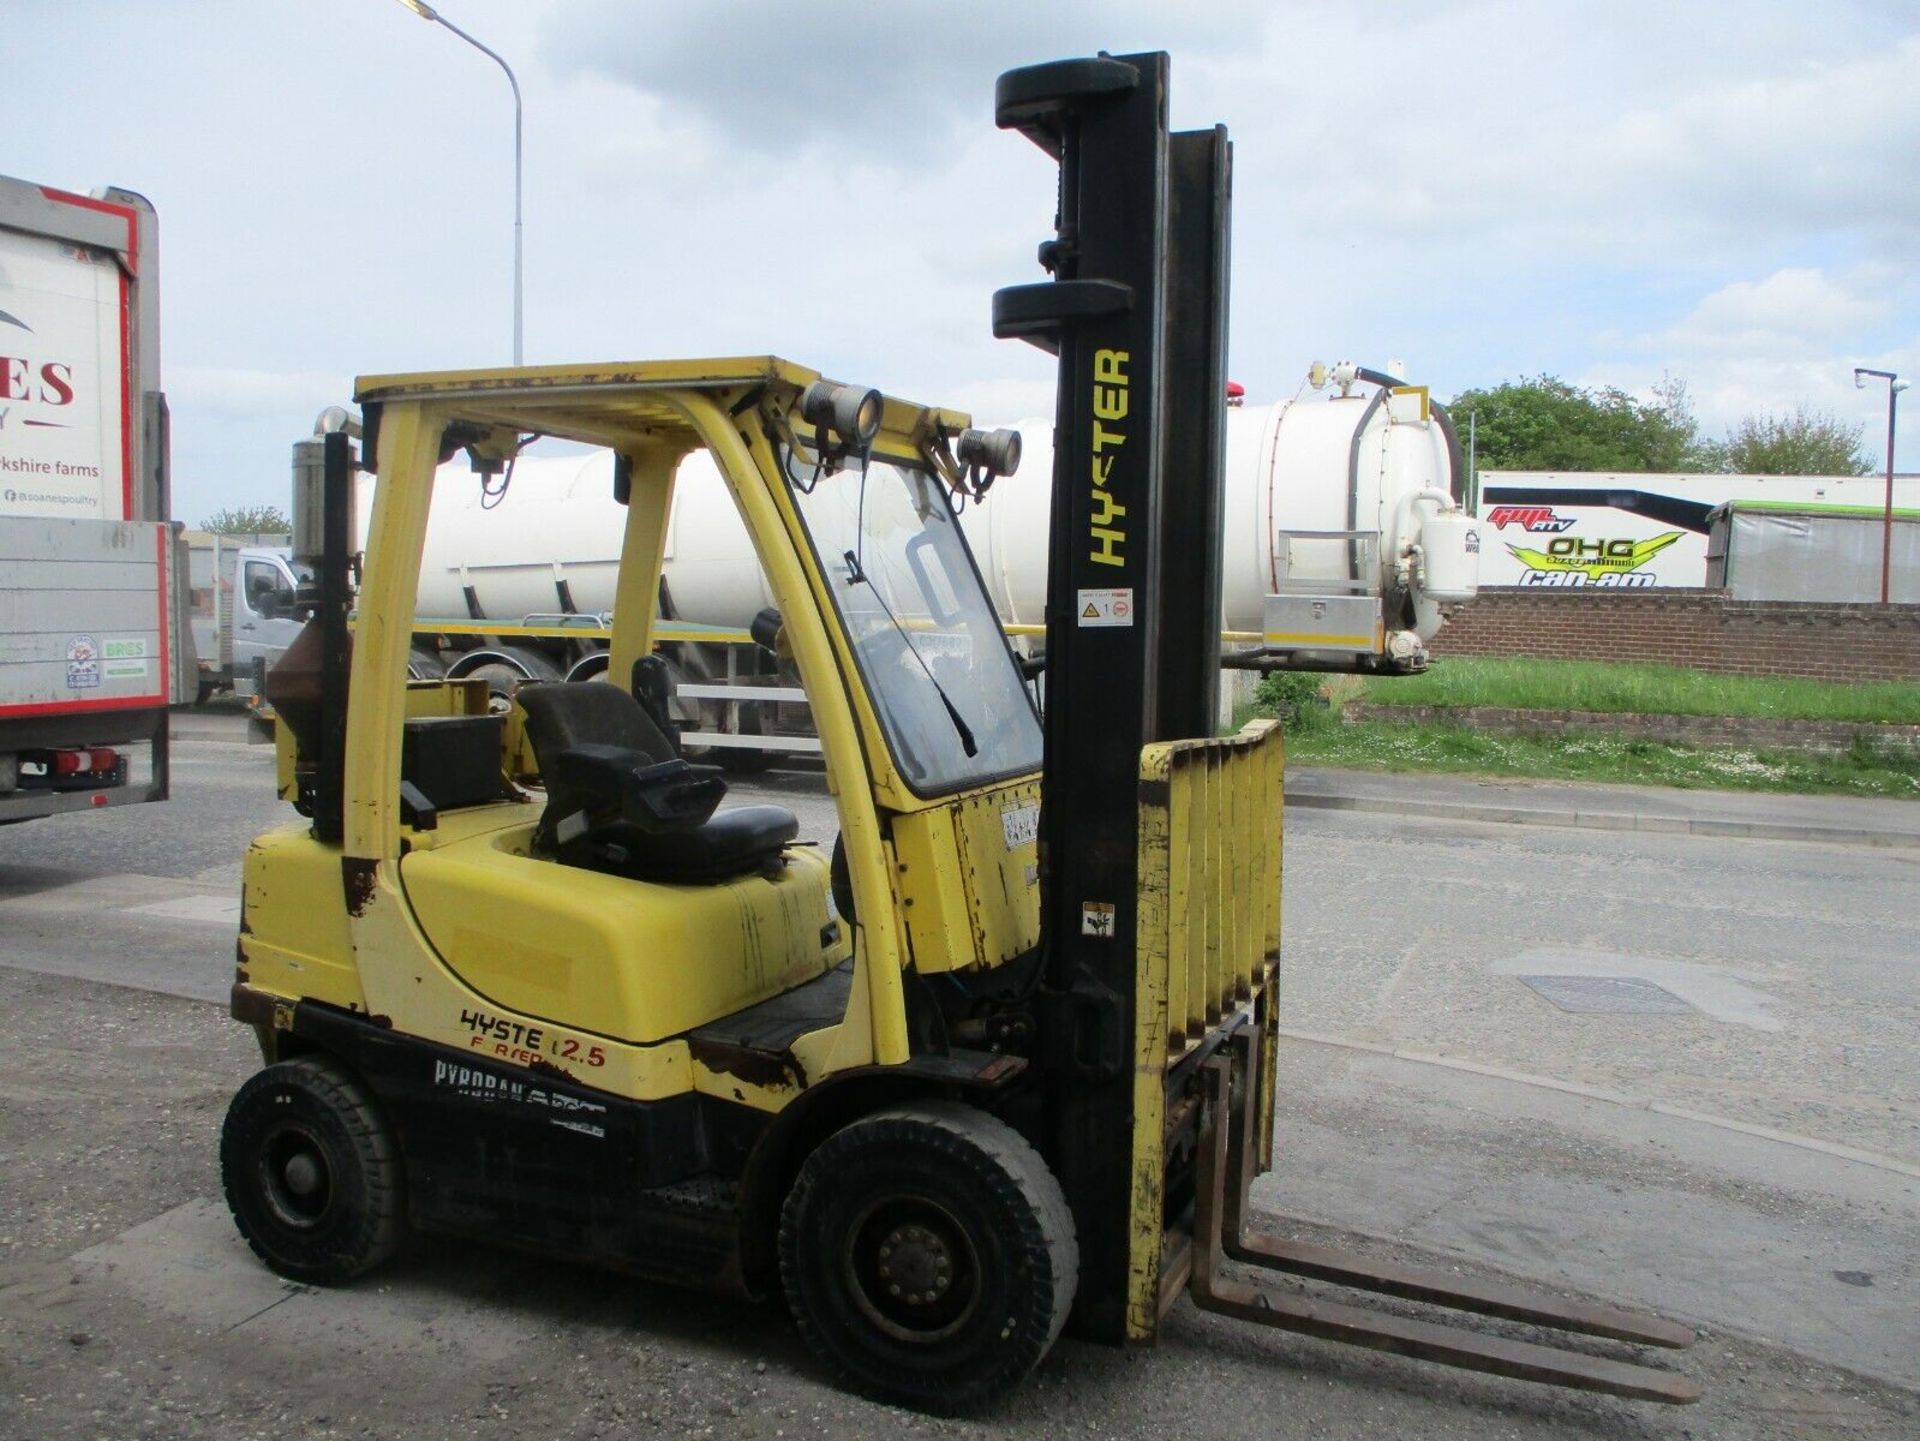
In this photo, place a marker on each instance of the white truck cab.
(243, 606)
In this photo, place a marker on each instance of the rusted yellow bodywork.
(1208, 955)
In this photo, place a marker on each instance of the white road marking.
(207, 910)
(190, 1263)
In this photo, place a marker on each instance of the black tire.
(312, 1173)
(423, 664)
(501, 678)
(928, 1256)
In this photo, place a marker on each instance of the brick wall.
(1700, 629)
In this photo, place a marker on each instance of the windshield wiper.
(856, 576)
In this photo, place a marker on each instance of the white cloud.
(1726, 388)
(1772, 346)
(869, 81)
(1778, 315)
(1622, 154)
(1775, 345)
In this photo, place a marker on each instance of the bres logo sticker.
(125, 659)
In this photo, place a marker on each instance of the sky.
(1607, 192)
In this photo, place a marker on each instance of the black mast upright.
(1132, 601)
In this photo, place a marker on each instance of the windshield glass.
(947, 689)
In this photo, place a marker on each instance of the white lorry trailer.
(93, 647)
(1633, 531)
(1839, 554)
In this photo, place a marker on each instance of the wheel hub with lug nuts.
(303, 1174)
(915, 1265)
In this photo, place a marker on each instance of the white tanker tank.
(1342, 542)
(1343, 536)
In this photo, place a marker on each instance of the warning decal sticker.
(1105, 607)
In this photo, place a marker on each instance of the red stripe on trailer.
(106, 207)
(72, 707)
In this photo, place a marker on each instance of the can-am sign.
(62, 380)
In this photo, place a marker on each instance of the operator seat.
(619, 799)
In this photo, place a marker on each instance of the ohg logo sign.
(1571, 561)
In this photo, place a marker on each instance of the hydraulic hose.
(1456, 466)
(1353, 470)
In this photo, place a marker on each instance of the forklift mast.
(1136, 312)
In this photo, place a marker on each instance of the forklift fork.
(1224, 1171)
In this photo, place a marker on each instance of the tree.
(1808, 442)
(248, 520)
(1547, 424)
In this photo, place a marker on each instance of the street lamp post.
(1894, 386)
(427, 12)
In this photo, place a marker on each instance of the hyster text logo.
(1538, 518)
(1110, 402)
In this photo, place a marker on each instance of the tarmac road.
(1744, 1156)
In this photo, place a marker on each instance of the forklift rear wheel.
(929, 1256)
(311, 1172)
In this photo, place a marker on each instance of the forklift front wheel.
(929, 1256)
(311, 1172)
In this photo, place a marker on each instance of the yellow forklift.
(1001, 1061)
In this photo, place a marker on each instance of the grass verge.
(1589, 756)
(1527, 684)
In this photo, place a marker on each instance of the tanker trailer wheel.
(501, 678)
(312, 1172)
(928, 1256)
(423, 664)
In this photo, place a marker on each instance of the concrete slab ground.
(129, 1306)
(1747, 1159)
(1752, 1235)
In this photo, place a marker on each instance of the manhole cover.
(1609, 995)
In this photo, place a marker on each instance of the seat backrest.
(565, 714)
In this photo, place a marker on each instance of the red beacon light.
(1236, 393)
